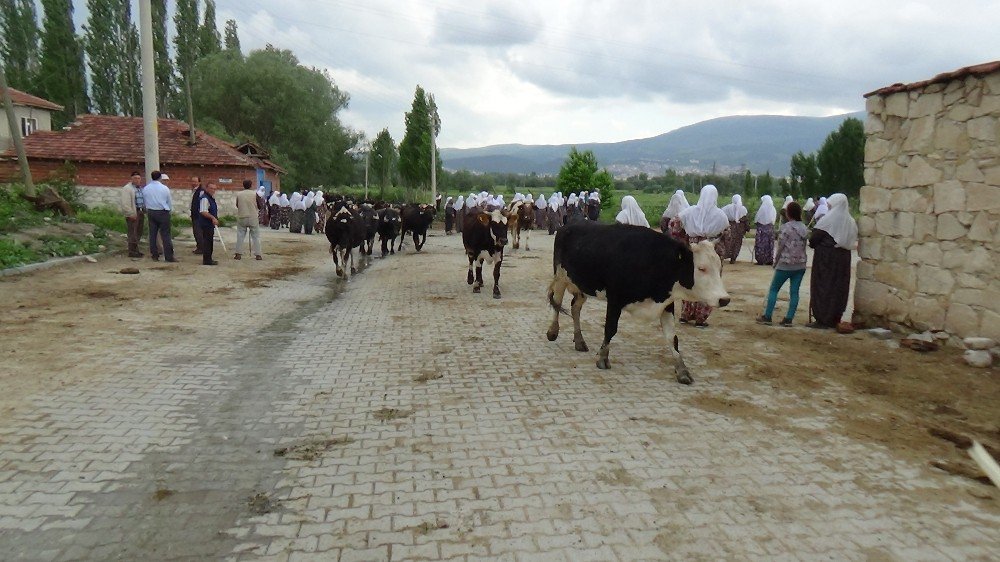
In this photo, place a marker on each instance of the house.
(32, 114)
(930, 206)
(103, 150)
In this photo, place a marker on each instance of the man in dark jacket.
(208, 219)
(196, 192)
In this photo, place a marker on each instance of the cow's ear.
(484, 218)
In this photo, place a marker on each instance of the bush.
(15, 212)
(14, 254)
(107, 218)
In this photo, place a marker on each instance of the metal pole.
(367, 152)
(150, 126)
(15, 135)
(433, 166)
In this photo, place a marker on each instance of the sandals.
(237, 257)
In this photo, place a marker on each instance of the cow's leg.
(471, 278)
(496, 275)
(611, 318)
(416, 241)
(354, 252)
(392, 245)
(668, 322)
(516, 235)
(385, 251)
(402, 238)
(578, 299)
(423, 240)
(557, 290)
(527, 239)
(336, 263)
(479, 276)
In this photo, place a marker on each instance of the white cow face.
(708, 287)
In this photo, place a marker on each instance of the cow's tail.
(552, 299)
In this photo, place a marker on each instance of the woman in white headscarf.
(286, 210)
(763, 240)
(832, 240)
(821, 209)
(574, 210)
(593, 206)
(703, 221)
(459, 213)
(678, 202)
(298, 213)
(309, 218)
(541, 212)
(274, 210)
(263, 211)
(552, 216)
(449, 215)
(739, 223)
(807, 210)
(321, 212)
(631, 213)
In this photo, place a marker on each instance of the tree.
(209, 40)
(62, 75)
(165, 92)
(129, 86)
(415, 148)
(841, 159)
(804, 175)
(19, 42)
(102, 41)
(289, 109)
(232, 37)
(579, 173)
(383, 160)
(186, 48)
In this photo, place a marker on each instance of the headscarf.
(584, 195)
(308, 200)
(631, 213)
(705, 219)
(821, 209)
(448, 202)
(528, 197)
(572, 200)
(498, 201)
(541, 203)
(766, 214)
(284, 201)
(275, 198)
(319, 199)
(735, 210)
(678, 202)
(594, 196)
(518, 197)
(261, 192)
(788, 199)
(810, 205)
(460, 203)
(296, 201)
(554, 201)
(839, 223)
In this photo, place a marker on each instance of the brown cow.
(521, 217)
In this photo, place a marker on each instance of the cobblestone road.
(403, 418)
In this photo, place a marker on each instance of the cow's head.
(496, 221)
(700, 275)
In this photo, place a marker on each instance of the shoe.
(213, 262)
(197, 252)
(172, 260)
(701, 324)
(683, 320)
(237, 257)
(259, 258)
(817, 326)
(155, 258)
(765, 320)
(135, 255)
(786, 322)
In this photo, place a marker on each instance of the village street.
(268, 411)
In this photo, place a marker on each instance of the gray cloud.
(497, 25)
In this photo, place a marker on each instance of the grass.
(16, 213)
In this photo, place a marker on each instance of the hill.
(757, 142)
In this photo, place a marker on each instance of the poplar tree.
(209, 40)
(415, 148)
(383, 160)
(232, 38)
(129, 86)
(164, 68)
(62, 73)
(19, 42)
(186, 51)
(102, 45)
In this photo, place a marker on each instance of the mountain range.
(757, 143)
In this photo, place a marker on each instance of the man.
(196, 192)
(247, 218)
(134, 208)
(158, 206)
(208, 218)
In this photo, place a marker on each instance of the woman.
(298, 213)
(594, 206)
(807, 210)
(574, 211)
(309, 218)
(821, 210)
(262, 207)
(703, 221)
(449, 215)
(678, 202)
(631, 213)
(738, 225)
(832, 240)
(286, 210)
(784, 205)
(763, 241)
(459, 213)
(274, 206)
(789, 264)
(321, 212)
(541, 211)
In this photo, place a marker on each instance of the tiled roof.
(975, 70)
(23, 98)
(111, 138)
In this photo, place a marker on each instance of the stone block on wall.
(949, 196)
(934, 280)
(924, 227)
(959, 113)
(873, 125)
(875, 104)
(920, 136)
(949, 227)
(927, 104)
(983, 129)
(926, 313)
(989, 326)
(910, 200)
(982, 197)
(877, 149)
(870, 247)
(897, 275)
(894, 224)
(968, 171)
(871, 297)
(989, 105)
(928, 254)
(891, 176)
(866, 226)
(961, 320)
(898, 104)
(951, 135)
(894, 249)
(920, 172)
(982, 228)
(875, 199)
(969, 281)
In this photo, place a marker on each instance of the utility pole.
(368, 151)
(15, 134)
(432, 116)
(150, 126)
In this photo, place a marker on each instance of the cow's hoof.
(354, 271)
(496, 295)
(603, 363)
(476, 290)
(552, 335)
(470, 279)
(684, 378)
(581, 345)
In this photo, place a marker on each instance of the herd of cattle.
(633, 268)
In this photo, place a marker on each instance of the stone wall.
(108, 196)
(930, 225)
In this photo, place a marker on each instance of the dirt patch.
(616, 477)
(100, 294)
(428, 376)
(221, 291)
(162, 494)
(389, 414)
(260, 503)
(428, 527)
(311, 450)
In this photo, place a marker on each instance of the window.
(28, 125)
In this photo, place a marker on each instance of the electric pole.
(150, 126)
(15, 135)
(368, 151)
(433, 117)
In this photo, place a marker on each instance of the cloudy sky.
(561, 71)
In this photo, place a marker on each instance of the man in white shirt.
(159, 203)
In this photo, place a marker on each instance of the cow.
(484, 236)
(416, 219)
(370, 219)
(521, 215)
(388, 229)
(345, 230)
(636, 269)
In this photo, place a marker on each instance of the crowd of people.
(549, 213)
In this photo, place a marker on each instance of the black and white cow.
(416, 219)
(370, 219)
(636, 269)
(345, 230)
(484, 235)
(388, 229)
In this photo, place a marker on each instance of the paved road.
(401, 417)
